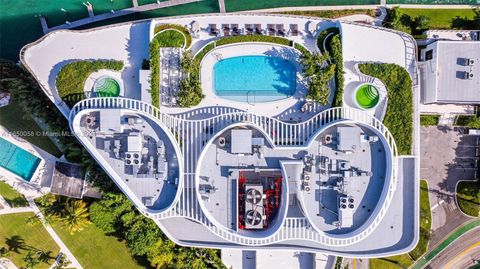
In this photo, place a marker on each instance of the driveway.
(447, 156)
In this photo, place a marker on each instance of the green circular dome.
(367, 96)
(106, 87)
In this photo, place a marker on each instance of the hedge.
(71, 79)
(429, 120)
(164, 39)
(337, 59)
(186, 33)
(399, 115)
(468, 197)
(323, 34)
(248, 38)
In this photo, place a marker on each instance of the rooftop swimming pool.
(17, 160)
(254, 79)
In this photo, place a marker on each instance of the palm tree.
(31, 259)
(75, 215)
(47, 200)
(15, 243)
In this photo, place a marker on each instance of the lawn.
(331, 14)
(468, 197)
(15, 233)
(429, 120)
(425, 222)
(441, 18)
(11, 117)
(93, 249)
(239, 5)
(393, 262)
(13, 198)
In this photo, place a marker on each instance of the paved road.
(460, 254)
(446, 158)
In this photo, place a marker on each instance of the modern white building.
(450, 71)
(255, 171)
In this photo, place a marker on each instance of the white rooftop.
(444, 73)
(241, 141)
(110, 121)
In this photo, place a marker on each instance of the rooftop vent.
(468, 75)
(469, 61)
(254, 217)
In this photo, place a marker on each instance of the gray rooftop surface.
(450, 68)
(67, 180)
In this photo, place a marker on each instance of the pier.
(110, 15)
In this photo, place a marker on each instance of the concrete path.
(63, 248)
(221, 5)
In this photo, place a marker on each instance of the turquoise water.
(17, 160)
(254, 79)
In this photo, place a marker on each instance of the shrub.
(190, 93)
(320, 74)
(71, 79)
(337, 60)
(323, 34)
(168, 38)
(186, 33)
(398, 118)
(247, 38)
(468, 197)
(429, 120)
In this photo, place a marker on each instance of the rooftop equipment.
(346, 207)
(254, 207)
(241, 141)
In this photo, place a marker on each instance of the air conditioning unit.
(469, 61)
(468, 75)
(254, 196)
(254, 218)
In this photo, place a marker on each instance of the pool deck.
(41, 178)
(261, 49)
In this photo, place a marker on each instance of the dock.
(114, 14)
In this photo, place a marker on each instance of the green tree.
(421, 23)
(190, 92)
(31, 259)
(317, 69)
(75, 215)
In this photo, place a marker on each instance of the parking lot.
(447, 156)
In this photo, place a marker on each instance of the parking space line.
(437, 204)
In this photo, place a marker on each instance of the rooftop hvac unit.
(468, 75)
(254, 217)
(470, 61)
(221, 141)
(254, 196)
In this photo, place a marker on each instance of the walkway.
(34, 208)
(221, 5)
(428, 257)
(105, 16)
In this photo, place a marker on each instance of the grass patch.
(425, 222)
(20, 237)
(429, 120)
(443, 18)
(468, 197)
(399, 115)
(187, 37)
(71, 79)
(239, 5)
(170, 38)
(337, 60)
(14, 119)
(331, 14)
(464, 120)
(94, 249)
(393, 262)
(13, 198)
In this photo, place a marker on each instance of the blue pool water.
(254, 79)
(17, 160)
